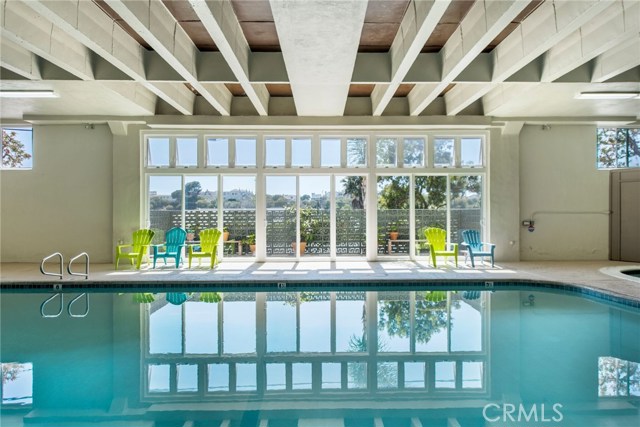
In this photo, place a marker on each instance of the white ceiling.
(97, 69)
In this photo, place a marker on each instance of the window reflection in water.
(301, 342)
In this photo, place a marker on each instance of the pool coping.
(292, 285)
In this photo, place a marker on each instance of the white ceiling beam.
(417, 25)
(222, 25)
(157, 26)
(40, 36)
(619, 22)
(547, 26)
(21, 61)
(484, 21)
(88, 24)
(34, 32)
(616, 61)
(319, 41)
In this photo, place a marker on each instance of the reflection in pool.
(325, 358)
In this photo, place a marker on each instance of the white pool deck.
(586, 274)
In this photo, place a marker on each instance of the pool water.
(320, 358)
(633, 273)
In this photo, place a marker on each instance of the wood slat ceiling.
(258, 26)
(381, 23)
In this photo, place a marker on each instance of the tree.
(13, 150)
(430, 318)
(192, 191)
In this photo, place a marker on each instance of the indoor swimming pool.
(319, 356)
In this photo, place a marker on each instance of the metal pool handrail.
(47, 301)
(86, 266)
(86, 295)
(45, 259)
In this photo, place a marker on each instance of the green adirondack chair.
(437, 238)
(172, 246)
(143, 297)
(210, 297)
(139, 247)
(208, 247)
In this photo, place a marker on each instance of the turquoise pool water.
(395, 357)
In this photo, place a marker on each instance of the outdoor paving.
(586, 274)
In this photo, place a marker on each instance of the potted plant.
(225, 234)
(393, 231)
(191, 235)
(251, 241)
(308, 230)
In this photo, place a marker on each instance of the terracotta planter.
(225, 235)
(303, 247)
(393, 235)
(191, 236)
(252, 248)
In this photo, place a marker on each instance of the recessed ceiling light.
(607, 95)
(28, 94)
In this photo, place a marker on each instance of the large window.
(17, 148)
(618, 148)
(309, 194)
(430, 342)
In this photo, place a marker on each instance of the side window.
(17, 148)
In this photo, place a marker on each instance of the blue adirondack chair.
(172, 247)
(476, 247)
(177, 298)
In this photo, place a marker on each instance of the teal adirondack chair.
(476, 247)
(172, 246)
(139, 247)
(177, 298)
(437, 239)
(208, 247)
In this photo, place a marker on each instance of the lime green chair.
(208, 247)
(139, 247)
(143, 297)
(210, 297)
(437, 238)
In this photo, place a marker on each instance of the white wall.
(65, 202)
(558, 174)
(504, 201)
(84, 194)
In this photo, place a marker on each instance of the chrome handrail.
(45, 259)
(86, 265)
(86, 295)
(49, 300)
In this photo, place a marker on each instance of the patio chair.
(139, 247)
(476, 247)
(177, 298)
(172, 246)
(208, 247)
(143, 297)
(210, 297)
(437, 239)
